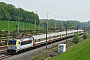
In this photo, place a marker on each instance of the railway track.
(20, 56)
(4, 55)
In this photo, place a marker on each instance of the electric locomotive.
(18, 44)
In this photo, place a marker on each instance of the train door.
(32, 41)
(18, 44)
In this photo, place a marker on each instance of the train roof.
(22, 39)
(44, 35)
(53, 34)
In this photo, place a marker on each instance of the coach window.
(57, 35)
(63, 34)
(75, 32)
(79, 31)
(39, 39)
(26, 42)
(43, 39)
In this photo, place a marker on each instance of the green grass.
(41, 57)
(81, 51)
(12, 26)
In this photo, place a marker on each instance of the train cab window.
(18, 42)
(12, 42)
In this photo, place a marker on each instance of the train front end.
(12, 46)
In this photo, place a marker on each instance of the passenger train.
(16, 45)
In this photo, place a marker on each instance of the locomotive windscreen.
(12, 42)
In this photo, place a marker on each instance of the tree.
(9, 10)
(76, 38)
(85, 36)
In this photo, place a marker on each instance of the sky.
(68, 9)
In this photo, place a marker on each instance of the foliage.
(9, 11)
(60, 25)
(85, 36)
(80, 51)
(76, 38)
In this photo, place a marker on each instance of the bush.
(85, 36)
(76, 38)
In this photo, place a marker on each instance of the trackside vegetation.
(76, 38)
(80, 51)
(85, 36)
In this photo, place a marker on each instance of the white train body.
(16, 45)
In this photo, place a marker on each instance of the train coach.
(20, 44)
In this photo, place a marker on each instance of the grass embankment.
(49, 52)
(12, 26)
(81, 51)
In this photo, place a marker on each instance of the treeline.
(60, 24)
(86, 25)
(9, 11)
